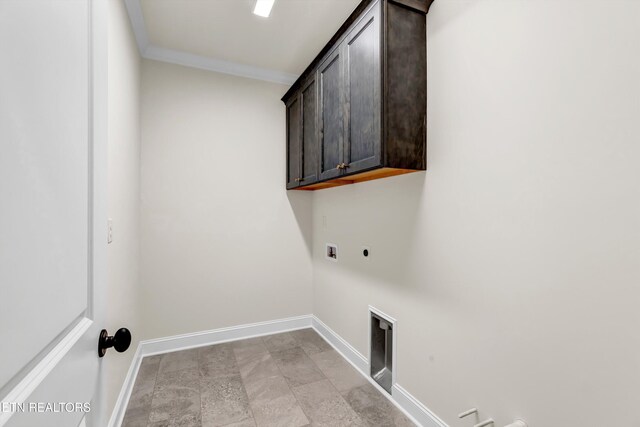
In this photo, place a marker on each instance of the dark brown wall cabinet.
(358, 112)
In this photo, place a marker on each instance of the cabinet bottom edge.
(356, 178)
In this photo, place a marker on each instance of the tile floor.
(289, 380)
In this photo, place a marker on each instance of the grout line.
(244, 385)
(197, 351)
(325, 377)
(200, 380)
(286, 381)
(153, 393)
(295, 396)
(134, 388)
(331, 382)
(289, 386)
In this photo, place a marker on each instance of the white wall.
(513, 263)
(124, 195)
(223, 243)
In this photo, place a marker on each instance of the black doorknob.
(120, 341)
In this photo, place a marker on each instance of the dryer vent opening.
(381, 351)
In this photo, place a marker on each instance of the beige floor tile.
(176, 396)
(217, 360)
(273, 403)
(297, 367)
(148, 371)
(279, 342)
(340, 372)
(310, 341)
(178, 360)
(131, 420)
(224, 401)
(246, 349)
(375, 409)
(264, 381)
(324, 405)
(258, 367)
(186, 420)
(249, 422)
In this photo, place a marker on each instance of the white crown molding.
(157, 53)
(218, 65)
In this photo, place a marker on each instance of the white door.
(52, 210)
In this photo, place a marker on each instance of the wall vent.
(381, 356)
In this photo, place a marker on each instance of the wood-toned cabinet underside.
(359, 110)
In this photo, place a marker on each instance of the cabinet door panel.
(331, 115)
(363, 86)
(309, 163)
(293, 142)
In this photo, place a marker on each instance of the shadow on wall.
(383, 215)
(302, 207)
(454, 12)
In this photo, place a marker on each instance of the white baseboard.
(217, 336)
(342, 346)
(401, 398)
(419, 413)
(125, 392)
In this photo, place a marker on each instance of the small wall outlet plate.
(331, 252)
(365, 251)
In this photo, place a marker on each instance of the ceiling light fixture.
(263, 7)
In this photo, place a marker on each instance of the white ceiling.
(225, 34)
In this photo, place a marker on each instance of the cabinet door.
(330, 78)
(309, 161)
(294, 141)
(363, 84)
